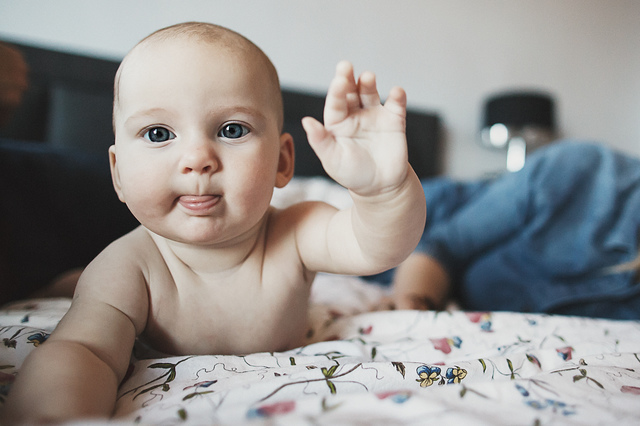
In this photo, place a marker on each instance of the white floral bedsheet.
(396, 367)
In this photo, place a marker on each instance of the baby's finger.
(397, 101)
(317, 135)
(369, 96)
(344, 74)
(336, 107)
(345, 69)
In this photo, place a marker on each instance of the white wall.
(448, 54)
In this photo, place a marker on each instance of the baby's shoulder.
(136, 242)
(132, 251)
(294, 218)
(296, 233)
(118, 277)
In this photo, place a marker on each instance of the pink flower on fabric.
(398, 397)
(566, 352)
(476, 317)
(365, 330)
(634, 390)
(482, 318)
(270, 410)
(444, 344)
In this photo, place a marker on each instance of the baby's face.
(198, 143)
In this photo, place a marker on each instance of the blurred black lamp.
(518, 122)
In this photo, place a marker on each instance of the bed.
(362, 366)
(359, 365)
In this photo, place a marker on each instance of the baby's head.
(215, 36)
(198, 123)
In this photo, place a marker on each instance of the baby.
(213, 268)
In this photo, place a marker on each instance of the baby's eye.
(159, 134)
(233, 131)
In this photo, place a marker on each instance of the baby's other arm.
(420, 282)
(76, 372)
(362, 145)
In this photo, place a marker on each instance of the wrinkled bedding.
(393, 367)
(361, 366)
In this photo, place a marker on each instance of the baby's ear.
(286, 160)
(115, 176)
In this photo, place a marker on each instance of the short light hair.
(214, 34)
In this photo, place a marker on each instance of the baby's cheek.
(253, 202)
(146, 201)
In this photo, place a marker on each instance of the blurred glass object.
(518, 122)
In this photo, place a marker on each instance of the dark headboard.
(68, 104)
(58, 209)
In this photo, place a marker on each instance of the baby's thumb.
(317, 135)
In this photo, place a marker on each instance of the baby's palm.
(362, 144)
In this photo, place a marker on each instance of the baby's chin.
(214, 239)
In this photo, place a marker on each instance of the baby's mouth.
(198, 203)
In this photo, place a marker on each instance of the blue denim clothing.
(540, 240)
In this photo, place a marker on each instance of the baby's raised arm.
(362, 146)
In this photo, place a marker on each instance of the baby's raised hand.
(362, 144)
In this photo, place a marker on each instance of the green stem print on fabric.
(583, 374)
(170, 375)
(329, 376)
(512, 371)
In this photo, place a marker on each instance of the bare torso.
(258, 305)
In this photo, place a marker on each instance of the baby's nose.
(200, 157)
